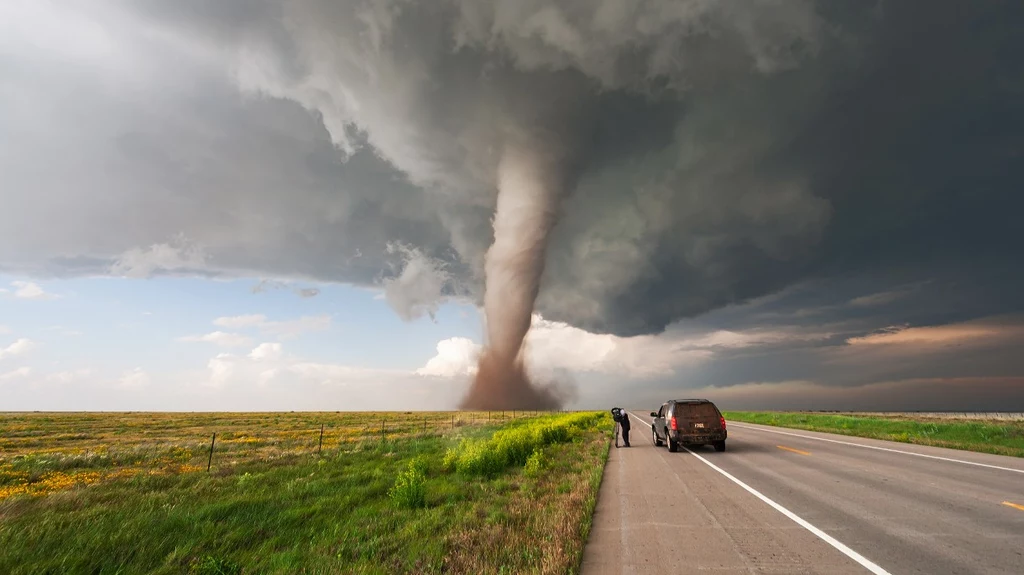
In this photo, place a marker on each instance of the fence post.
(453, 421)
(210, 461)
(321, 446)
(383, 437)
(424, 424)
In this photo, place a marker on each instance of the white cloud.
(19, 347)
(559, 346)
(241, 321)
(135, 378)
(30, 290)
(419, 289)
(69, 376)
(295, 327)
(21, 372)
(556, 345)
(177, 256)
(221, 338)
(456, 356)
(267, 375)
(282, 329)
(268, 363)
(221, 368)
(266, 351)
(238, 381)
(725, 339)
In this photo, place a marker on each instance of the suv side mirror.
(654, 414)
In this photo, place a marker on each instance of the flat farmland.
(462, 492)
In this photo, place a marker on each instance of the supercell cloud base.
(782, 204)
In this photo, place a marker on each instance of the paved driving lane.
(900, 508)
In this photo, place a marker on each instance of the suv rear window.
(695, 410)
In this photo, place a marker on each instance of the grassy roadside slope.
(998, 437)
(369, 506)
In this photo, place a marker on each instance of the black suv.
(689, 422)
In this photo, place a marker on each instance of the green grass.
(514, 445)
(999, 437)
(410, 489)
(364, 506)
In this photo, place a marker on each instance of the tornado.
(531, 183)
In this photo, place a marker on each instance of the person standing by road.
(622, 424)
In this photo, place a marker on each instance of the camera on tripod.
(618, 414)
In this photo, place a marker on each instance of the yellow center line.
(1014, 505)
(793, 450)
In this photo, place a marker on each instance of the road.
(790, 501)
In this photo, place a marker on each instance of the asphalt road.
(790, 501)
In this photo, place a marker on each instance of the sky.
(287, 205)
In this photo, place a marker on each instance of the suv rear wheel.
(673, 445)
(719, 445)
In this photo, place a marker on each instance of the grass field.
(440, 492)
(1002, 437)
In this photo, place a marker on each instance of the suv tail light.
(722, 419)
(672, 422)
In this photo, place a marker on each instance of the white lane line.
(878, 448)
(865, 562)
(838, 545)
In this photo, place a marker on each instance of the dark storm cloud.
(724, 151)
(911, 148)
(842, 344)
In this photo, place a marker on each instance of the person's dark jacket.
(625, 421)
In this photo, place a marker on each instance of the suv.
(690, 422)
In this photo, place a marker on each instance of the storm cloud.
(723, 151)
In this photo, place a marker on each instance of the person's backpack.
(617, 414)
